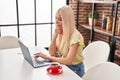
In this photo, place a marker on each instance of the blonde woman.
(67, 42)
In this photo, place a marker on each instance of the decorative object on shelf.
(109, 23)
(117, 22)
(104, 21)
(95, 16)
(119, 26)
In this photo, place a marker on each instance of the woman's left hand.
(41, 55)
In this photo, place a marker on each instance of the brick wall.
(84, 9)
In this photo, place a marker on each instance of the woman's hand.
(41, 55)
(58, 30)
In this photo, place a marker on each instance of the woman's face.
(58, 20)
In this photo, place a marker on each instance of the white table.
(14, 67)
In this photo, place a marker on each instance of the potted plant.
(95, 16)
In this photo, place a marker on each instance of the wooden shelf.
(117, 37)
(97, 29)
(100, 2)
(100, 30)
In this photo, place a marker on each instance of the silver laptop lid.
(26, 53)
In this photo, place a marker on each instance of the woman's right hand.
(36, 55)
(58, 30)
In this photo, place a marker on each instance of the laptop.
(28, 54)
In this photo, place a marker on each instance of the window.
(30, 20)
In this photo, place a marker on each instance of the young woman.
(67, 41)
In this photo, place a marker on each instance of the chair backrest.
(103, 71)
(7, 42)
(95, 53)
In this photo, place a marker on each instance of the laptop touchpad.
(39, 59)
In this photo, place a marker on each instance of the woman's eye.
(60, 19)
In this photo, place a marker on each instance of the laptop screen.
(25, 52)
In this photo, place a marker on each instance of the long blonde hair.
(68, 23)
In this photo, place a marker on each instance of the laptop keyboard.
(37, 62)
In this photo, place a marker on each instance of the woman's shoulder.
(76, 33)
(77, 38)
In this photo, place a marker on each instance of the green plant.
(95, 16)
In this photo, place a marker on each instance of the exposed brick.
(84, 9)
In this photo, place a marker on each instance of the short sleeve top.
(76, 37)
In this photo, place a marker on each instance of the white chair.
(95, 53)
(103, 71)
(7, 42)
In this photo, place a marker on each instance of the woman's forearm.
(69, 58)
(60, 60)
(52, 48)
